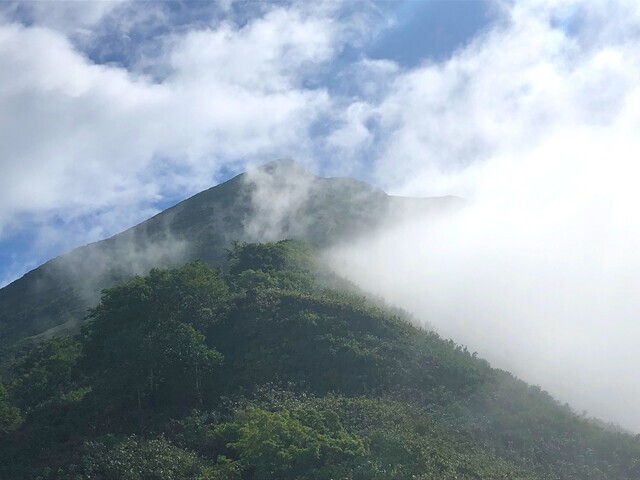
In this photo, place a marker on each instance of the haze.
(539, 274)
(540, 131)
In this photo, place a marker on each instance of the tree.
(145, 345)
(47, 373)
(10, 418)
(135, 458)
(292, 444)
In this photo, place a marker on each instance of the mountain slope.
(279, 200)
(277, 369)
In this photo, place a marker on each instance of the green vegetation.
(275, 369)
(54, 297)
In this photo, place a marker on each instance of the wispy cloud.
(80, 137)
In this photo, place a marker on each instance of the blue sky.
(135, 38)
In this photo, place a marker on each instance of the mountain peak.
(278, 200)
(283, 166)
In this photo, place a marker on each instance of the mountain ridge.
(269, 365)
(252, 206)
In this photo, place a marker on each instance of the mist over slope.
(276, 201)
(537, 124)
(545, 287)
(533, 285)
(276, 368)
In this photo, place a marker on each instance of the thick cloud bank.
(538, 125)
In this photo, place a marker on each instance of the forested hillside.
(273, 368)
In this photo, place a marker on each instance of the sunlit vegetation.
(275, 369)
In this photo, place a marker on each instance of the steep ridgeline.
(279, 200)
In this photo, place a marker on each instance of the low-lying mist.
(538, 273)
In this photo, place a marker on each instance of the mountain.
(257, 362)
(276, 369)
(276, 201)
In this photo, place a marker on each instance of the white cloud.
(354, 135)
(77, 137)
(266, 55)
(537, 123)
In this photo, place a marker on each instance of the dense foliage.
(276, 369)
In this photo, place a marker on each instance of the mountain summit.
(275, 201)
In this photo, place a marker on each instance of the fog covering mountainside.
(274, 368)
(268, 365)
(254, 206)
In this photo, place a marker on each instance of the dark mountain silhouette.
(276, 201)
